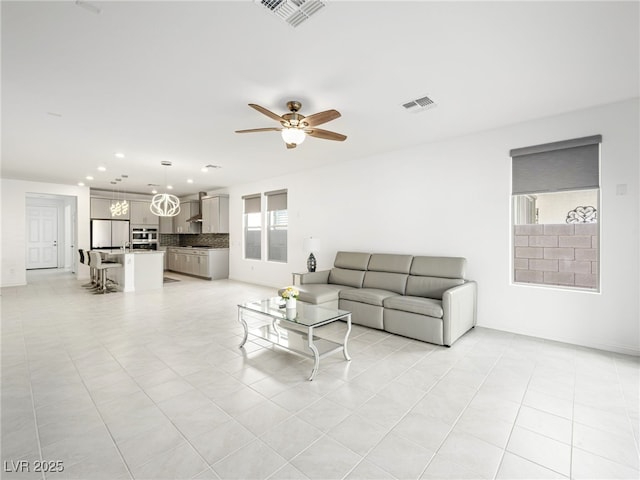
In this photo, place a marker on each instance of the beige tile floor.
(153, 386)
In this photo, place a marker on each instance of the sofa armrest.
(460, 306)
(314, 277)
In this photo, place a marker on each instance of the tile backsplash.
(217, 240)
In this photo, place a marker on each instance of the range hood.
(198, 216)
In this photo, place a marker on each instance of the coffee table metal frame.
(293, 330)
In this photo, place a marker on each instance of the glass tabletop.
(305, 314)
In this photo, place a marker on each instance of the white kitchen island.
(142, 270)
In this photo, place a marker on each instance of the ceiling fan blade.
(322, 117)
(251, 130)
(325, 134)
(266, 112)
(291, 145)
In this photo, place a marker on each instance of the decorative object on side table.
(290, 294)
(311, 245)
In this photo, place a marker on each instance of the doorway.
(42, 237)
(50, 231)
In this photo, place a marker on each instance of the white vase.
(291, 303)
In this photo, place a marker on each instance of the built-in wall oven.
(144, 238)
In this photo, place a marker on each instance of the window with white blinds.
(252, 227)
(277, 225)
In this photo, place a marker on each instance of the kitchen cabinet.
(187, 210)
(165, 257)
(101, 209)
(205, 263)
(140, 212)
(215, 214)
(166, 224)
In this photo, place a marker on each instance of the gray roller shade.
(252, 204)
(559, 166)
(276, 200)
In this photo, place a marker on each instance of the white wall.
(453, 198)
(12, 236)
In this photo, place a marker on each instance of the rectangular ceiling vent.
(419, 104)
(294, 12)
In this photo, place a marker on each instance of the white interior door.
(42, 237)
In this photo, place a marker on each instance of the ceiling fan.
(295, 127)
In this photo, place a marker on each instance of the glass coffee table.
(293, 329)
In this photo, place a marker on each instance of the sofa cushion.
(419, 305)
(431, 287)
(420, 327)
(384, 262)
(394, 282)
(343, 276)
(352, 260)
(319, 293)
(371, 296)
(446, 267)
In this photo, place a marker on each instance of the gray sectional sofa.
(426, 298)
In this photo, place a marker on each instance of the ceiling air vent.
(419, 104)
(294, 12)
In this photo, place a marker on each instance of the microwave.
(144, 236)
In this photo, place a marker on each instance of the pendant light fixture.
(165, 204)
(119, 208)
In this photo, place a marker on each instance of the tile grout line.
(573, 413)
(538, 433)
(404, 416)
(453, 425)
(143, 390)
(626, 409)
(113, 440)
(513, 426)
(33, 403)
(326, 434)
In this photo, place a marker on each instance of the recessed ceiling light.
(154, 191)
(80, 184)
(89, 177)
(119, 155)
(189, 180)
(170, 187)
(102, 169)
(204, 169)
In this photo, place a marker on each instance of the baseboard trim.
(588, 343)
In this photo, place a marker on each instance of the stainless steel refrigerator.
(109, 233)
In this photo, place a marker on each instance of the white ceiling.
(172, 80)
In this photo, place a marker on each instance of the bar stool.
(84, 259)
(101, 269)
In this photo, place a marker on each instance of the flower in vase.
(290, 292)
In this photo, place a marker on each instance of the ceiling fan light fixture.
(293, 135)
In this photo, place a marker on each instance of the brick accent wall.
(565, 254)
